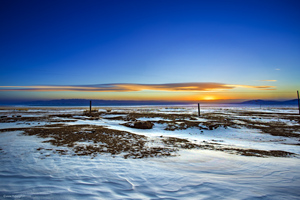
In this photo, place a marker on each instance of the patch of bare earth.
(185, 144)
(93, 140)
(134, 116)
(275, 128)
(86, 140)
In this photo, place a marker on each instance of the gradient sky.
(149, 49)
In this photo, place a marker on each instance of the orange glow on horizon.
(209, 98)
(154, 92)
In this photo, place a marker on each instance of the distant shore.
(108, 103)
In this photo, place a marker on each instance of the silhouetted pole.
(90, 106)
(298, 101)
(199, 109)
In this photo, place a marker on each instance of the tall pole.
(90, 106)
(298, 101)
(199, 109)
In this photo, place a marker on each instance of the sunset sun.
(209, 98)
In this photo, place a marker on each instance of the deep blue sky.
(240, 42)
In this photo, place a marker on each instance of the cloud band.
(127, 87)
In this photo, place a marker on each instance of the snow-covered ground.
(26, 173)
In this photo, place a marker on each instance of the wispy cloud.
(269, 80)
(127, 87)
(260, 87)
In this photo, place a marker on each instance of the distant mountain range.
(86, 102)
(269, 102)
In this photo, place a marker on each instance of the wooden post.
(298, 101)
(90, 106)
(199, 109)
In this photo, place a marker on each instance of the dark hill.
(269, 102)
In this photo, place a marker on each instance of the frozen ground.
(226, 153)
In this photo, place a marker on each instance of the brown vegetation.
(100, 140)
(140, 124)
(93, 140)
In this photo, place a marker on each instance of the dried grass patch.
(100, 140)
